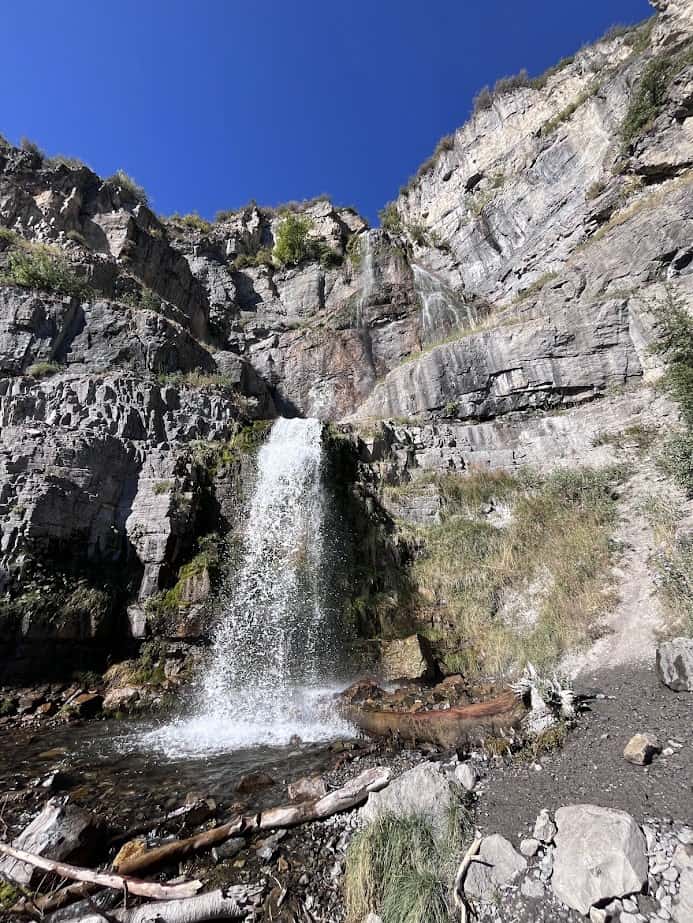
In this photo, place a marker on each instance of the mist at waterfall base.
(274, 662)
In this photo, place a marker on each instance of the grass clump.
(397, 868)
(566, 113)
(121, 180)
(558, 537)
(43, 369)
(194, 221)
(40, 267)
(263, 257)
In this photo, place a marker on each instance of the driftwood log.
(459, 726)
(104, 879)
(228, 904)
(348, 796)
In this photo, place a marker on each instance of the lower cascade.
(275, 648)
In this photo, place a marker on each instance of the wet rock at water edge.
(253, 782)
(62, 831)
(641, 749)
(307, 789)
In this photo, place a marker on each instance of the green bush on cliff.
(121, 180)
(651, 93)
(291, 244)
(390, 219)
(43, 268)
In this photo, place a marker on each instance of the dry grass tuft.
(558, 536)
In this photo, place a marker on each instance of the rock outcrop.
(503, 316)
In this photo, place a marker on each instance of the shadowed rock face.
(507, 322)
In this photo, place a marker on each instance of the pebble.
(529, 847)
(532, 888)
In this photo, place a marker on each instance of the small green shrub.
(26, 144)
(651, 93)
(194, 221)
(43, 369)
(77, 238)
(122, 180)
(163, 487)
(676, 459)
(390, 219)
(291, 244)
(353, 250)
(330, 258)
(44, 269)
(8, 237)
(72, 163)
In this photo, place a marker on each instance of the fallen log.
(180, 849)
(228, 904)
(105, 879)
(459, 726)
(349, 796)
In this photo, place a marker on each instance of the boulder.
(641, 749)
(423, 790)
(675, 664)
(500, 864)
(529, 847)
(254, 782)
(600, 854)
(62, 831)
(405, 658)
(307, 789)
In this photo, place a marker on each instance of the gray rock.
(675, 664)
(306, 789)
(423, 790)
(641, 749)
(544, 827)
(465, 774)
(600, 854)
(405, 658)
(500, 865)
(529, 847)
(62, 831)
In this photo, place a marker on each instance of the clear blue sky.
(210, 103)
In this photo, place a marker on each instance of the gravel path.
(590, 767)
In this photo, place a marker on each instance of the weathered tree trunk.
(229, 904)
(105, 879)
(349, 796)
(461, 725)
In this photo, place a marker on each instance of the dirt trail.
(630, 629)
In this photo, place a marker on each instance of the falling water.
(367, 276)
(440, 311)
(277, 644)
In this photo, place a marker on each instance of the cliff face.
(503, 316)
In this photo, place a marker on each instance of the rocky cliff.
(502, 316)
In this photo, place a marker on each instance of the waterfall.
(367, 275)
(440, 311)
(277, 644)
